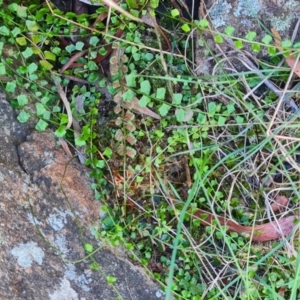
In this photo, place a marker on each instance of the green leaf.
(92, 66)
(13, 7)
(4, 31)
(46, 65)
(256, 48)
(296, 45)
(272, 51)
(63, 118)
(33, 77)
(36, 38)
(19, 9)
(134, 49)
(56, 109)
(212, 107)
(41, 125)
(99, 163)
(56, 50)
(221, 121)
(132, 4)
(128, 95)
(40, 109)
(93, 77)
(22, 11)
(70, 48)
(32, 68)
(154, 3)
(135, 13)
(251, 36)
(286, 43)
(111, 279)
(144, 101)
(47, 115)
(32, 26)
(94, 41)
(149, 56)
(10, 87)
(185, 27)
(267, 39)
(102, 51)
(139, 179)
(239, 44)
(230, 108)
(80, 142)
(2, 69)
(88, 247)
(203, 23)
(177, 98)
(164, 109)
(27, 52)
(49, 55)
(108, 152)
(15, 31)
(219, 39)
(23, 116)
(79, 46)
(22, 100)
(175, 13)
(239, 120)
(180, 115)
(145, 87)
(160, 93)
(60, 131)
(21, 41)
(229, 30)
(94, 266)
(130, 80)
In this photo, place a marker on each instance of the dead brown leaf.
(72, 60)
(259, 233)
(282, 291)
(279, 203)
(292, 61)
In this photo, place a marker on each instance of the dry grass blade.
(112, 4)
(65, 101)
(151, 21)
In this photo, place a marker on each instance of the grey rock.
(244, 16)
(46, 212)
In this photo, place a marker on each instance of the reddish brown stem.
(260, 233)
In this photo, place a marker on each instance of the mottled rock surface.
(244, 16)
(46, 207)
